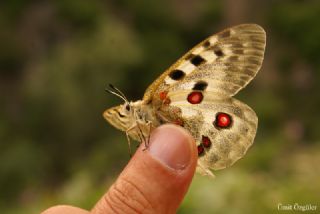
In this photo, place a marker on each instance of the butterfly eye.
(223, 120)
(128, 107)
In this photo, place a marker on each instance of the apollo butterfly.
(197, 93)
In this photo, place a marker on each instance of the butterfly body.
(197, 93)
(133, 118)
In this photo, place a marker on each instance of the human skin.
(155, 180)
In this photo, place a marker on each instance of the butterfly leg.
(141, 136)
(149, 124)
(129, 143)
(128, 138)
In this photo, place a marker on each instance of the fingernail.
(172, 146)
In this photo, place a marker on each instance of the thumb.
(157, 178)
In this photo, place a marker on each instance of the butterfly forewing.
(226, 62)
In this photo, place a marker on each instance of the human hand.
(154, 181)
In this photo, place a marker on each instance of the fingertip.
(185, 134)
(173, 146)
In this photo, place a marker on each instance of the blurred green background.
(56, 58)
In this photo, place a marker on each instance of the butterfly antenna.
(117, 93)
(117, 90)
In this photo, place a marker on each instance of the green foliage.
(297, 23)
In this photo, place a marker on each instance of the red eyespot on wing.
(163, 95)
(206, 142)
(200, 149)
(195, 97)
(223, 120)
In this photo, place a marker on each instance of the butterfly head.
(120, 116)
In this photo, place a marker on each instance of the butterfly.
(197, 93)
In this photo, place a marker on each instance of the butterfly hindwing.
(229, 140)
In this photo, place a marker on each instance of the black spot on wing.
(206, 44)
(197, 60)
(177, 74)
(200, 85)
(217, 51)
